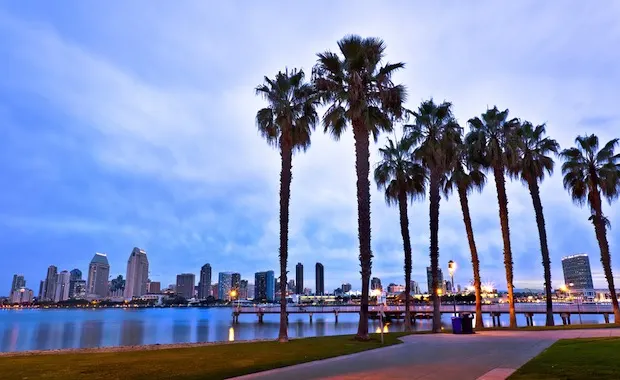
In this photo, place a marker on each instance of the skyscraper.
(225, 285)
(299, 278)
(62, 286)
(429, 280)
(346, 287)
(41, 289)
(415, 287)
(50, 283)
(577, 272)
(185, 285)
(155, 287)
(375, 283)
(98, 274)
(137, 274)
(320, 279)
(204, 284)
(264, 286)
(75, 279)
(235, 280)
(243, 290)
(291, 286)
(18, 283)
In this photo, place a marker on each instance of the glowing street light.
(451, 270)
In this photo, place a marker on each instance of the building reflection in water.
(42, 337)
(9, 338)
(181, 332)
(132, 332)
(68, 336)
(92, 334)
(231, 334)
(202, 330)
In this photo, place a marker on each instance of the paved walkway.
(491, 355)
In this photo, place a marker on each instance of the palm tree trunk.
(502, 200)
(435, 197)
(285, 195)
(404, 230)
(544, 249)
(362, 167)
(601, 235)
(475, 262)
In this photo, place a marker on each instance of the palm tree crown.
(532, 155)
(464, 174)
(357, 88)
(291, 114)
(489, 138)
(398, 172)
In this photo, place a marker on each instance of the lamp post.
(451, 269)
(578, 308)
(377, 293)
(233, 294)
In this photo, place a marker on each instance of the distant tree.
(591, 174)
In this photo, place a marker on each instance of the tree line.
(435, 156)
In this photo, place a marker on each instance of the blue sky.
(129, 124)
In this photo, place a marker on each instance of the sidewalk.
(491, 355)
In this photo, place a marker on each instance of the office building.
(215, 291)
(41, 289)
(251, 291)
(319, 279)
(204, 282)
(224, 285)
(299, 278)
(21, 296)
(375, 283)
(154, 287)
(243, 290)
(137, 274)
(235, 281)
(62, 286)
(264, 286)
(415, 287)
(74, 276)
(98, 275)
(18, 283)
(429, 280)
(291, 286)
(50, 283)
(346, 287)
(393, 288)
(577, 272)
(185, 285)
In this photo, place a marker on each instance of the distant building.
(458, 288)
(265, 285)
(41, 289)
(291, 286)
(577, 271)
(50, 283)
(235, 281)
(137, 274)
(299, 278)
(346, 287)
(21, 296)
(375, 283)
(215, 291)
(98, 274)
(448, 287)
(393, 288)
(185, 285)
(243, 290)
(319, 279)
(204, 283)
(429, 280)
(225, 285)
(154, 287)
(415, 287)
(18, 283)
(62, 286)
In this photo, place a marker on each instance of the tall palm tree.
(466, 176)
(488, 141)
(589, 175)
(437, 136)
(286, 124)
(401, 177)
(531, 162)
(360, 92)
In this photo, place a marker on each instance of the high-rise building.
(137, 273)
(235, 281)
(41, 289)
(375, 283)
(74, 276)
(319, 279)
(154, 287)
(243, 290)
(215, 291)
(415, 287)
(291, 286)
(185, 285)
(204, 283)
(299, 278)
(98, 274)
(346, 287)
(18, 282)
(264, 286)
(225, 285)
(429, 280)
(21, 296)
(251, 291)
(62, 286)
(577, 272)
(50, 283)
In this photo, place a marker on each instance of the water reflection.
(9, 338)
(181, 332)
(231, 334)
(68, 335)
(42, 336)
(202, 330)
(132, 333)
(92, 333)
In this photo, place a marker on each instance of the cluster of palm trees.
(433, 155)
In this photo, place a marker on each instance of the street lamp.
(233, 294)
(578, 308)
(451, 270)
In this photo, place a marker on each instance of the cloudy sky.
(129, 124)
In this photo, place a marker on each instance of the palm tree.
(531, 162)
(437, 135)
(401, 177)
(286, 124)
(466, 176)
(590, 173)
(360, 92)
(488, 141)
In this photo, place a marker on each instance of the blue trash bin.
(457, 327)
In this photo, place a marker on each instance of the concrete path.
(491, 355)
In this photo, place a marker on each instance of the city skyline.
(182, 191)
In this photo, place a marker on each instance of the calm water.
(33, 329)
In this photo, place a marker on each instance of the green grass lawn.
(574, 359)
(206, 362)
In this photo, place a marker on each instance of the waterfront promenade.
(487, 355)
